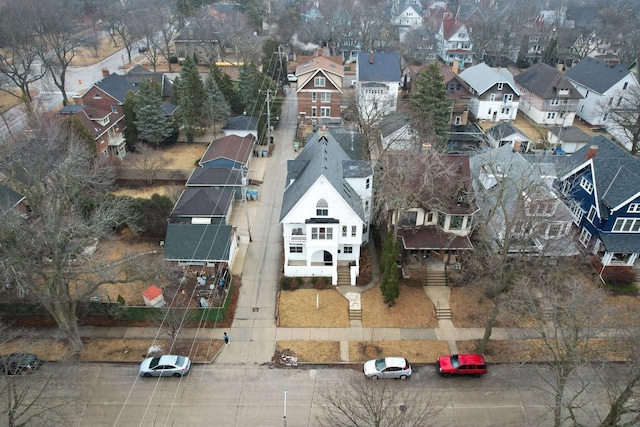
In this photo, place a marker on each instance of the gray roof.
(242, 123)
(385, 67)
(202, 177)
(504, 129)
(323, 156)
(8, 197)
(545, 81)
(203, 202)
(349, 140)
(137, 74)
(619, 242)
(197, 242)
(116, 86)
(570, 134)
(392, 123)
(616, 172)
(481, 77)
(596, 75)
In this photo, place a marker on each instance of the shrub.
(299, 281)
(285, 283)
(314, 280)
(619, 277)
(317, 282)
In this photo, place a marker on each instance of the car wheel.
(446, 375)
(403, 377)
(177, 375)
(147, 375)
(374, 377)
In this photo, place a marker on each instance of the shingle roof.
(232, 147)
(8, 197)
(385, 67)
(202, 177)
(570, 134)
(616, 172)
(481, 77)
(197, 242)
(503, 129)
(241, 123)
(596, 75)
(323, 156)
(116, 86)
(545, 81)
(203, 202)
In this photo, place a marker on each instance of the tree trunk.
(559, 394)
(63, 310)
(482, 345)
(617, 406)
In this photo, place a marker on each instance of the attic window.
(114, 109)
(564, 92)
(97, 96)
(322, 208)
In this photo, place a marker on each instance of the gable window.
(584, 183)
(319, 81)
(314, 97)
(322, 208)
(627, 225)
(585, 236)
(592, 213)
(458, 120)
(492, 97)
(321, 233)
(354, 231)
(325, 97)
(634, 208)
(114, 109)
(97, 96)
(500, 86)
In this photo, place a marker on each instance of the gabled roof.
(203, 202)
(323, 156)
(504, 129)
(481, 77)
(570, 134)
(247, 123)
(87, 114)
(232, 147)
(379, 67)
(349, 140)
(137, 74)
(204, 177)
(450, 27)
(545, 81)
(116, 86)
(596, 75)
(9, 198)
(616, 173)
(326, 66)
(198, 242)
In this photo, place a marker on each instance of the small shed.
(153, 297)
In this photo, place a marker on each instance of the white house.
(326, 210)
(454, 43)
(602, 85)
(378, 78)
(495, 96)
(409, 17)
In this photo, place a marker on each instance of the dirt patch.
(414, 351)
(412, 309)
(297, 309)
(311, 351)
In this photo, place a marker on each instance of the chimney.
(371, 57)
(591, 152)
(105, 73)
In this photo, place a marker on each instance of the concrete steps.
(436, 278)
(443, 314)
(355, 314)
(344, 276)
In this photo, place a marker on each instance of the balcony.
(115, 140)
(298, 238)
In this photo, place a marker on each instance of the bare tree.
(247, 45)
(567, 315)
(43, 255)
(149, 161)
(360, 402)
(621, 113)
(120, 22)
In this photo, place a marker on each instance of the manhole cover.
(256, 308)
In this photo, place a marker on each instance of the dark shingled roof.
(8, 197)
(203, 202)
(241, 123)
(197, 242)
(385, 67)
(545, 81)
(503, 129)
(596, 75)
(570, 134)
(323, 156)
(202, 177)
(116, 86)
(232, 147)
(616, 172)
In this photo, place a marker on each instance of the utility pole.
(269, 117)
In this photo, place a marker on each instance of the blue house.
(601, 184)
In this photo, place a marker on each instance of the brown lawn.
(311, 351)
(413, 351)
(297, 309)
(114, 350)
(413, 309)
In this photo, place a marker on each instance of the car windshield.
(455, 362)
(180, 361)
(154, 362)
(380, 365)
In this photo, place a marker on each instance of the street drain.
(256, 309)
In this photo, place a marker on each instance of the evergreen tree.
(190, 98)
(249, 88)
(226, 87)
(74, 125)
(216, 109)
(550, 54)
(431, 106)
(130, 131)
(275, 62)
(389, 283)
(150, 120)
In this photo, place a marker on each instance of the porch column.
(632, 259)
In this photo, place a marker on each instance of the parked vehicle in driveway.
(19, 363)
(292, 78)
(387, 367)
(165, 366)
(462, 364)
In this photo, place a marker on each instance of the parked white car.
(165, 366)
(292, 78)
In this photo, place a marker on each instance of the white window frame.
(586, 185)
(626, 225)
(585, 237)
(319, 81)
(592, 214)
(347, 249)
(321, 233)
(314, 96)
(314, 111)
(325, 96)
(325, 111)
(354, 231)
(634, 208)
(295, 249)
(577, 212)
(500, 86)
